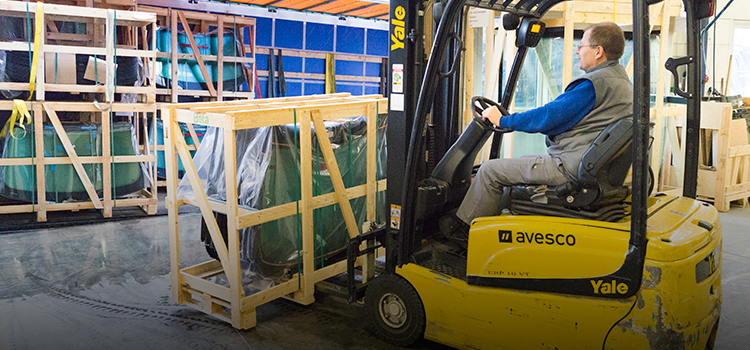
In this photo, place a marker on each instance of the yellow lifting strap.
(20, 113)
(37, 40)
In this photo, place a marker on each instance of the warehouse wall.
(321, 37)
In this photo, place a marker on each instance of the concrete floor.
(106, 286)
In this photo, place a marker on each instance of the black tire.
(394, 310)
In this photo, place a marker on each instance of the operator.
(602, 96)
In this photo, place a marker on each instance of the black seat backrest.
(608, 159)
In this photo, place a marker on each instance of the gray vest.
(614, 101)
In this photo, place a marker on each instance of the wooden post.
(110, 41)
(568, 43)
(220, 61)
(41, 190)
(232, 267)
(107, 183)
(175, 278)
(175, 72)
(305, 295)
(368, 265)
(723, 168)
(660, 87)
(40, 61)
(468, 73)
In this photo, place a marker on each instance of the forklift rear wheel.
(394, 310)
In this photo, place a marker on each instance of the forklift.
(598, 264)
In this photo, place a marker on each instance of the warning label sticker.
(395, 216)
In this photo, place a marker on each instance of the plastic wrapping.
(61, 180)
(268, 175)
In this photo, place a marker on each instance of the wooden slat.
(40, 71)
(252, 218)
(170, 161)
(201, 269)
(193, 135)
(206, 76)
(204, 93)
(250, 105)
(721, 162)
(322, 55)
(335, 174)
(220, 59)
(201, 285)
(270, 294)
(568, 42)
(13, 209)
(41, 189)
(305, 295)
(174, 64)
(79, 88)
(274, 116)
(265, 100)
(199, 16)
(210, 58)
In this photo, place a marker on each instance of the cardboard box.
(99, 73)
(60, 68)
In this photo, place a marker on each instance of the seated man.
(602, 96)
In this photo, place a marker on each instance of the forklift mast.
(412, 90)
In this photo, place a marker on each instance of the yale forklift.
(596, 264)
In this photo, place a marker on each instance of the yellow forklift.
(600, 265)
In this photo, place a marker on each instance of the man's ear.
(600, 52)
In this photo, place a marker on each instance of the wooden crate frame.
(726, 140)
(171, 17)
(81, 44)
(230, 303)
(147, 197)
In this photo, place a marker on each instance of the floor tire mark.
(191, 322)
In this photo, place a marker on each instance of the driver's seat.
(597, 193)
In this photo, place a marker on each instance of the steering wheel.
(479, 104)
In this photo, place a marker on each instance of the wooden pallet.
(191, 286)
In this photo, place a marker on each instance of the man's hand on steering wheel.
(488, 113)
(492, 114)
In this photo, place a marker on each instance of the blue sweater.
(556, 116)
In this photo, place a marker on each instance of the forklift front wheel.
(394, 310)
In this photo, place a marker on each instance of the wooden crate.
(724, 157)
(100, 39)
(190, 285)
(146, 198)
(200, 22)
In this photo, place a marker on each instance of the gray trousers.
(483, 197)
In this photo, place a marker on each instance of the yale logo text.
(611, 287)
(399, 33)
(540, 238)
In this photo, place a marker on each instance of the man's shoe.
(454, 228)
